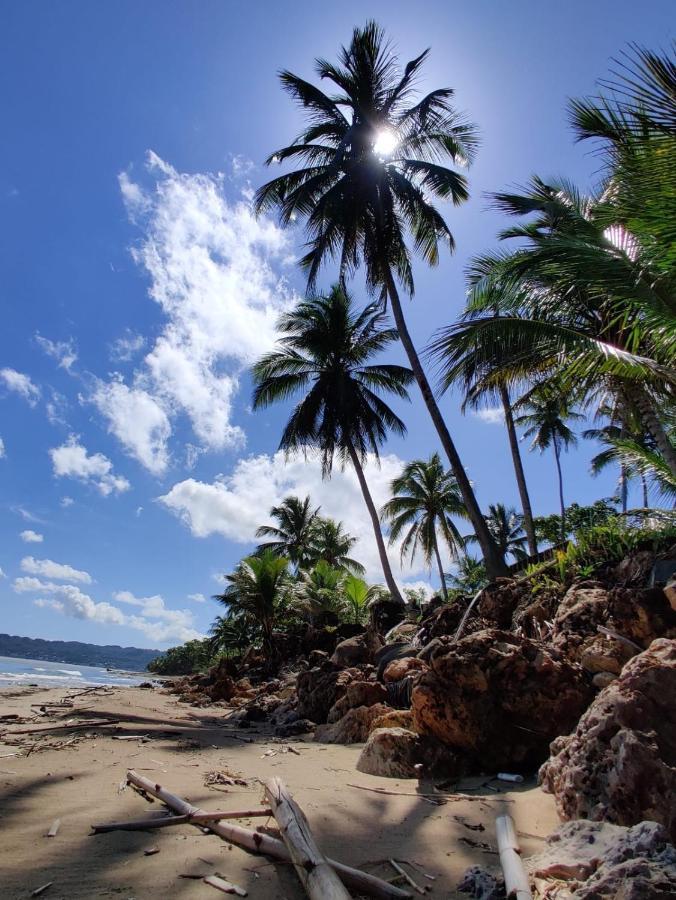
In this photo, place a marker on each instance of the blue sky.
(136, 286)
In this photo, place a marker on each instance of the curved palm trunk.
(557, 457)
(444, 589)
(368, 499)
(641, 400)
(494, 562)
(517, 462)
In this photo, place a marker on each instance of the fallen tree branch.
(320, 881)
(263, 843)
(199, 818)
(100, 723)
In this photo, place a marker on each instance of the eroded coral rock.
(353, 727)
(619, 764)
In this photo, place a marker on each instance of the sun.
(385, 143)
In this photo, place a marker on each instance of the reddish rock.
(499, 699)
(619, 765)
(391, 753)
(394, 718)
(319, 689)
(358, 693)
(356, 651)
(354, 727)
(400, 668)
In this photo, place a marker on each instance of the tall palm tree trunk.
(641, 400)
(557, 457)
(444, 589)
(623, 487)
(644, 486)
(494, 562)
(382, 552)
(517, 462)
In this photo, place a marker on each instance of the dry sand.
(80, 784)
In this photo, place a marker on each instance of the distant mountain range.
(130, 658)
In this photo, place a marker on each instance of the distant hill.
(75, 652)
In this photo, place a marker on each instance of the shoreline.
(78, 777)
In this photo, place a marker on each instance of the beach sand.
(81, 783)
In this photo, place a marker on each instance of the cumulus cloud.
(197, 598)
(63, 352)
(31, 537)
(490, 415)
(3, 452)
(236, 505)
(159, 624)
(50, 569)
(65, 502)
(212, 268)
(20, 384)
(71, 460)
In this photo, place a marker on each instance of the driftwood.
(54, 829)
(200, 818)
(41, 889)
(226, 886)
(100, 723)
(416, 887)
(318, 878)
(360, 882)
(438, 799)
(517, 884)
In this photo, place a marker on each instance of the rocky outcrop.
(358, 650)
(400, 753)
(498, 700)
(394, 718)
(400, 668)
(619, 764)
(319, 689)
(354, 727)
(358, 693)
(638, 616)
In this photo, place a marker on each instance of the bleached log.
(317, 877)
(200, 818)
(360, 882)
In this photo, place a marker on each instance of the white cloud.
(197, 598)
(21, 384)
(210, 263)
(66, 502)
(71, 460)
(235, 506)
(31, 537)
(3, 452)
(2, 574)
(50, 569)
(127, 346)
(63, 352)
(490, 415)
(137, 420)
(159, 624)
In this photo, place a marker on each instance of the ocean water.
(56, 674)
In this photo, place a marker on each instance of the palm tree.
(506, 526)
(230, 634)
(545, 422)
(372, 161)
(470, 575)
(293, 532)
(425, 498)
(319, 593)
(255, 592)
(359, 595)
(328, 541)
(324, 353)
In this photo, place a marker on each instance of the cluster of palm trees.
(580, 316)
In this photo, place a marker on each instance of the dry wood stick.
(263, 843)
(54, 830)
(204, 817)
(517, 884)
(100, 723)
(226, 886)
(416, 887)
(320, 881)
(437, 798)
(41, 889)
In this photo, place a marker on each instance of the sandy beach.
(81, 781)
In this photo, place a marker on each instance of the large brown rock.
(319, 688)
(358, 693)
(498, 699)
(619, 765)
(400, 668)
(640, 616)
(358, 650)
(391, 753)
(354, 727)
